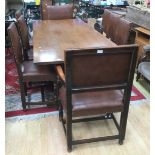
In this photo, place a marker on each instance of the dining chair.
(60, 12)
(117, 28)
(96, 88)
(24, 33)
(31, 75)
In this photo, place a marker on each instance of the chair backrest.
(106, 20)
(109, 22)
(118, 29)
(43, 5)
(100, 68)
(60, 12)
(122, 32)
(15, 43)
(24, 33)
(18, 14)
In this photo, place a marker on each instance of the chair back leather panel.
(110, 20)
(106, 22)
(117, 28)
(87, 68)
(122, 32)
(16, 43)
(60, 12)
(24, 33)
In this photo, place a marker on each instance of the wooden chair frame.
(29, 84)
(67, 82)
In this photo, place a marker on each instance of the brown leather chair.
(24, 33)
(30, 75)
(60, 12)
(118, 29)
(96, 88)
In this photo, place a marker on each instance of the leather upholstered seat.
(32, 72)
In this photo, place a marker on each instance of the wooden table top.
(52, 37)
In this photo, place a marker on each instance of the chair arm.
(60, 73)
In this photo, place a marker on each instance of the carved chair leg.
(60, 112)
(25, 88)
(23, 95)
(42, 94)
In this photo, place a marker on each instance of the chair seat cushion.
(144, 69)
(97, 103)
(94, 103)
(33, 72)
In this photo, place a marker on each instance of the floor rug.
(13, 106)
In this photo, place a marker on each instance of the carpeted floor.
(13, 106)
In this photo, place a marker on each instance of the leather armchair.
(96, 88)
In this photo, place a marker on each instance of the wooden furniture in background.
(142, 39)
(143, 67)
(52, 37)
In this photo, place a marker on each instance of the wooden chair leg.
(56, 94)
(42, 94)
(26, 57)
(69, 135)
(60, 112)
(138, 76)
(23, 99)
(123, 123)
(25, 88)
